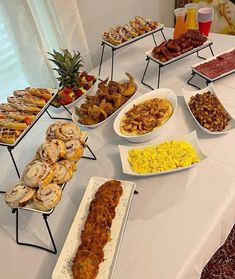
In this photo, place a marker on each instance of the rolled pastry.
(50, 133)
(51, 151)
(63, 171)
(67, 131)
(47, 197)
(74, 150)
(19, 195)
(37, 174)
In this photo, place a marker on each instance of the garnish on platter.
(146, 116)
(109, 97)
(73, 83)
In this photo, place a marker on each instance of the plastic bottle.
(179, 22)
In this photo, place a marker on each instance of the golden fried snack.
(22, 106)
(99, 214)
(7, 135)
(105, 201)
(41, 92)
(127, 88)
(85, 265)
(7, 107)
(98, 233)
(21, 116)
(95, 248)
(111, 189)
(30, 99)
(11, 124)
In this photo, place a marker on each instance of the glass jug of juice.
(179, 22)
(191, 21)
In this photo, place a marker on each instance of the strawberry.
(78, 93)
(67, 89)
(65, 99)
(89, 77)
(83, 74)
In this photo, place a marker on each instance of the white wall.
(99, 15)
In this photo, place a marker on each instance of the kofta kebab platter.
(99, 224)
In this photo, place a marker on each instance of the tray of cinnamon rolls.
(92, 245)
(43, 179)
(21, 111)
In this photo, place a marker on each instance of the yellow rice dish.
(165, 156)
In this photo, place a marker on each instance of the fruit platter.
(73, 82)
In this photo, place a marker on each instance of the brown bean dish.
(209, 112)
(146, 116)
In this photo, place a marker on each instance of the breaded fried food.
(85, 265)
(105, 201)
(98, 233)
(111, 189)
(99, 214)
(94, 248)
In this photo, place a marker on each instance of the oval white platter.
(75, 116)
(163, 93)
(124, 154)
(71, 105)
(188, 94)
(62, 269)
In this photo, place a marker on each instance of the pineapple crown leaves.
(68, 65)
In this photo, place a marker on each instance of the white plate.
(71, 105)
(159, 27)
(75, 116)
(209, 59)
(164, 93)
(150, 55)
(188, 94)
(192, 138)
(62, 269)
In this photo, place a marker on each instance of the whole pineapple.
(68, 66)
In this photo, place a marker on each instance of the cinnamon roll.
(19, 195)
(67, 131)
(51, 151)
(63, 171)
(50, 133)
(74, 150)
(37, 174)
(47, 197)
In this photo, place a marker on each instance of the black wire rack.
(149, 58)
(115, 48)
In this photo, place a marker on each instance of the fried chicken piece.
(86, 120)
(113, 87)
(99, 214)
(127, 88)
(107, 107)
(85, 265)
(98, 233)
(117, 100)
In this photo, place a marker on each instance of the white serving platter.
(124, 154)
(150, 55)
(163, 93)
(75, 116)
(210, 59)
(62, 269)
(158, 28)
(188, 94)
(71, 105)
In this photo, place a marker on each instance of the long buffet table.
(176, 222)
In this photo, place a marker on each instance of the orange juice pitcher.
(179, 22)
(191, 16)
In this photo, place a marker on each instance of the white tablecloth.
(176, 222)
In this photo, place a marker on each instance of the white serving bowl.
(163, 93)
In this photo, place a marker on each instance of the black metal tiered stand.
(162, 64)
(45, 215)
(115, 48)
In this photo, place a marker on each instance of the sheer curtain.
(35, 27)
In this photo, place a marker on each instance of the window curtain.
(38, 26)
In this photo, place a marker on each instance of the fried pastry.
(99, 214)
(20, 93)
(11, 124)
(37, 174)
(104, 200)
(74, 150)
(22, 106)
(95, 248)
(96, 232)
(51, 151)
(141, 21)
(85, 265)
(63, 171)
(19, 195)
(115, 38)
(131, 30)
(138, 28)
(41, 92)
(7, 107)
(30, 99)
(21, 116)
(47, 196)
